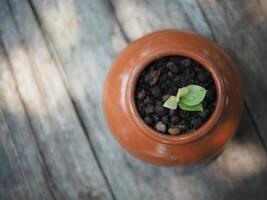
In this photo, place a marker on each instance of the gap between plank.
(256, 127)
(113, 12)
(213, 35)
(186, 15)
(53, 53)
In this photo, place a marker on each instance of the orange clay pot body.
(144, 142)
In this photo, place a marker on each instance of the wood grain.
(51, 91)
(22, 171)
(91, 53)
(74, 172)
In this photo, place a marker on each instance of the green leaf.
(185, 107)
(181, 92)
(171, 103)
(194, 96)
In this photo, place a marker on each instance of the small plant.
(188, 98)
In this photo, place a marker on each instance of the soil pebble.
(141, 95)
(149, 120)
(165, 119)
(160, 126)
(152, 77)
(149, 109)
(174, 131)
(174, 120)
(156, 92)
(165, 97)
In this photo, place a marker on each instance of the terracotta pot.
(144, 142)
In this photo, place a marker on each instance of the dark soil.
(163, 78)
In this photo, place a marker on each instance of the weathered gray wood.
(237, 174)
(94, 35)
(73, 170)
(22, 172)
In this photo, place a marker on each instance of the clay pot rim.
(190, 136)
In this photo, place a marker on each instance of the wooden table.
(54, 141)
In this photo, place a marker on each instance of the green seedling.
(188, 98)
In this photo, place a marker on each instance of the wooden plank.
(90, 48)
(74, 172)
(77, 53)
(141, 17)
(22, 172)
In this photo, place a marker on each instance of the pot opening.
(160, 80)
(160, 77)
